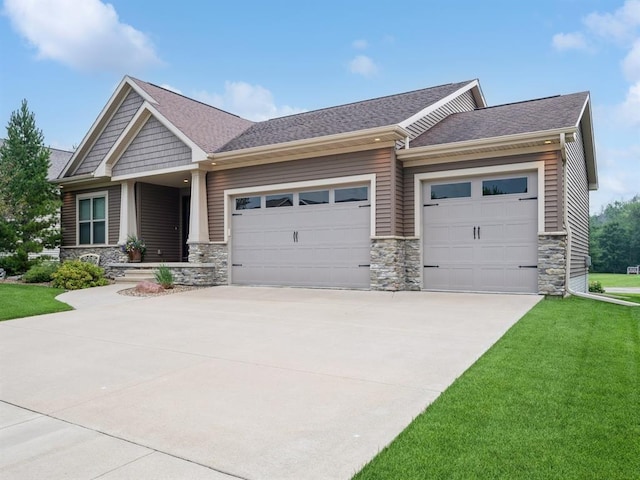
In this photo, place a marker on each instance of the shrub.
(15, 264)
(596, 287)
(41, 272)
(164, 276)
(74, 274)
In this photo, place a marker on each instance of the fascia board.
(459, 147)
(397, 132)
(434, 106)
(585, 123)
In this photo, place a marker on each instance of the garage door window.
(354, 194)
(504, 186)
(280, 200)
(313, 198)
(451, 190)
(247, 203)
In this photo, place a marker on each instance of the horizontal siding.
(578, 206)
(462, 103)
(358, 163)
(159, 218)
(155, 147)
(110, 134)
(409, 173)
(68, 217)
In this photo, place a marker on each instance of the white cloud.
(619, 25)
(253, 102)
(569, 41)
(85, 35)
(363, 65)
(629, 110)
(360, 44)
(631, 63)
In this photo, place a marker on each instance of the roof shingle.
(562, 111)
(378, 112)
(208, 127)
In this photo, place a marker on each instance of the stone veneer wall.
(108, 255)
(413, 265)
(213, 253)
(552, 264)
(198, 274)
(387, 264)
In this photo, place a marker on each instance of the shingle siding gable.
(154, 148)
(110, 134)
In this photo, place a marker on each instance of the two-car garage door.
(318, 238)
(480, 234)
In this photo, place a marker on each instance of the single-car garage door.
(317, 238)
(480, 234)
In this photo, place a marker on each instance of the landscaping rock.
(2, 274)
(148, 287)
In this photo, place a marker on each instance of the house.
(430, 189)
(57, 161)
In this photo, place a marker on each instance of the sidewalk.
(97, 296)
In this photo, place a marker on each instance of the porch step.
(136, 275)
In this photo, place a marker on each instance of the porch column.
(199, 219)
(128, 220)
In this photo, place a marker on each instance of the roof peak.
(187, 97)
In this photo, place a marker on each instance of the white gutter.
(491, 142)
(568, 229)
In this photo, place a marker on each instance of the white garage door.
(317, 238)
(480, 234)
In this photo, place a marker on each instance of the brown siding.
(578, 206)
(154, 147)
(69, 218)
(110, 134)
(550, 158)
(358, 163)
(159, 219)
(398, 227)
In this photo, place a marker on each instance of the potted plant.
(135, 248)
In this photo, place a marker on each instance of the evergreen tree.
(29, 204)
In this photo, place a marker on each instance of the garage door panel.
(304, 245)
(480, 242)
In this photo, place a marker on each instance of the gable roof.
(562, 111)
(57, 161)
(367, 114)
(208, 127)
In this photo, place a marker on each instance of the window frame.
(91, 196)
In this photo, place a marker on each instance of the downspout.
(567, 227)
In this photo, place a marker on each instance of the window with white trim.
(92, 218)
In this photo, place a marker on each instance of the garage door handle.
(431, 266)
(474, 233)
(527, 266)
(478, 233)
(236, 264)
(530, 198)
(364, 265)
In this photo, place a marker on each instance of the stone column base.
(552, 264)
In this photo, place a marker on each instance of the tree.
(615, 236)
(29, 204)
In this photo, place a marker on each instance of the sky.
(268, 59)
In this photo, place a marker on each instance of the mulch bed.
(131, 292)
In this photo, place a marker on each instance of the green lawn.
(615, 279)
(17, 300)
(556, 398)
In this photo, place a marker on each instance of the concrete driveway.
(232, 382)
